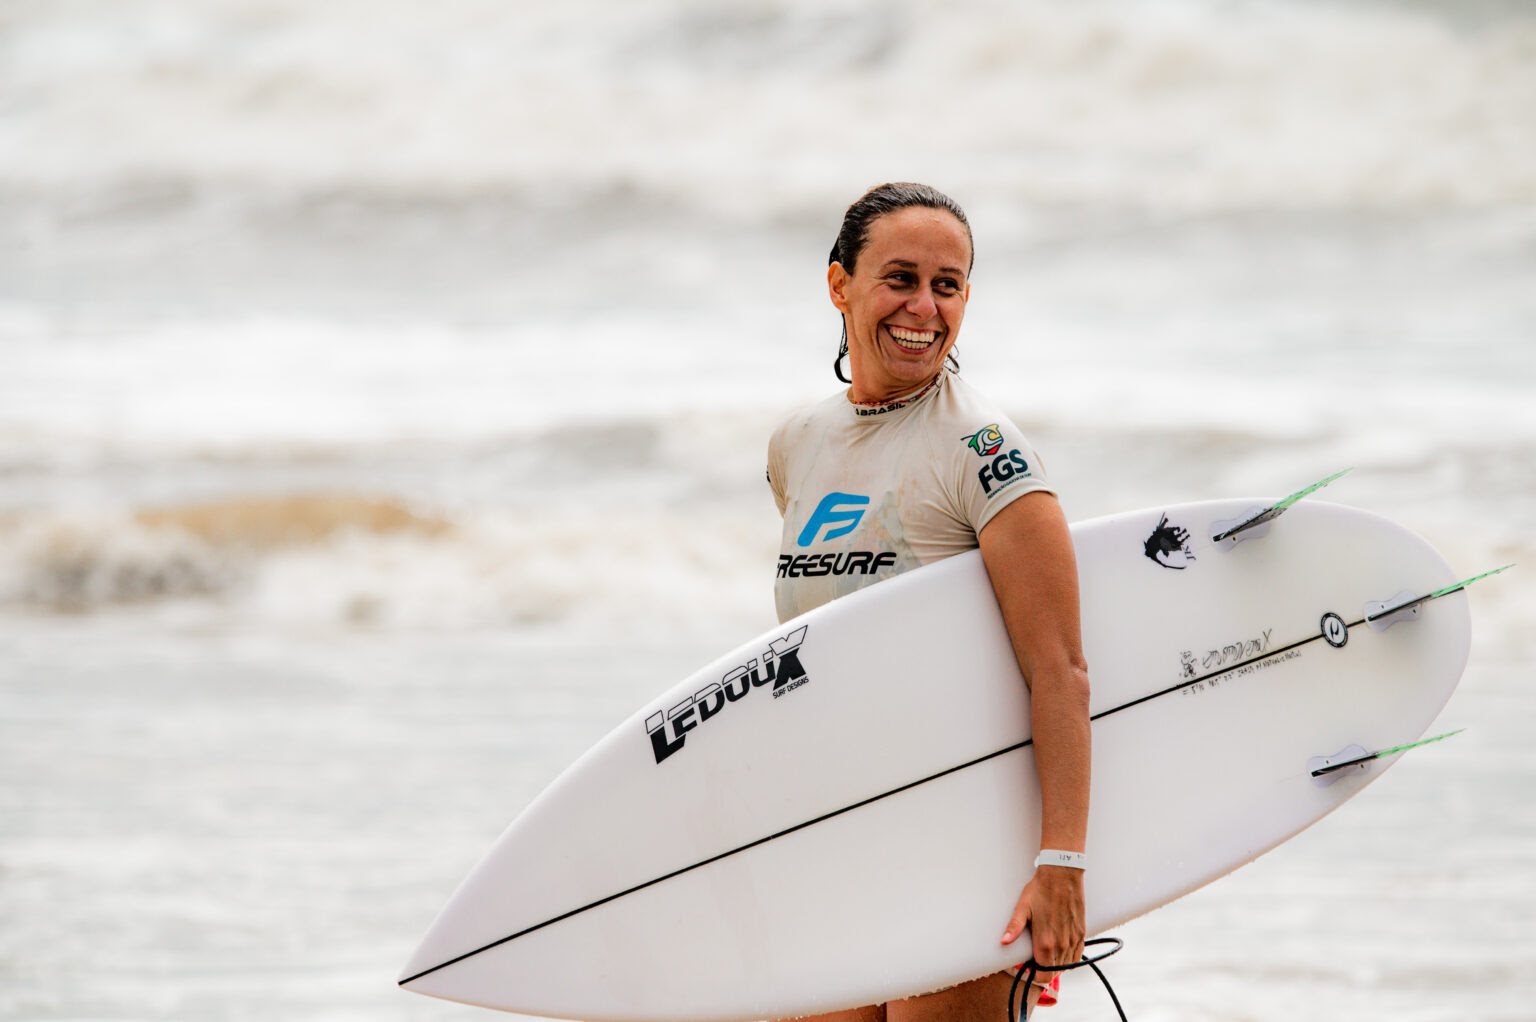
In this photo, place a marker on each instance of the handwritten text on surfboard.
(779, 665)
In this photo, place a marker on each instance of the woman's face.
(904, 302)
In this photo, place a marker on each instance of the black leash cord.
(1033, 968)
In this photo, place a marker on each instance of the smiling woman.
(896, 224)
(911, 465)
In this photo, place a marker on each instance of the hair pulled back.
(854, 235)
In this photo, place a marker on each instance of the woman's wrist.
(1061, 857)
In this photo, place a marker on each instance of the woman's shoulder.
(810, 417)
(960, 397)
(959, 405)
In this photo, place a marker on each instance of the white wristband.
(1056, 857)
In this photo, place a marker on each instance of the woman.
(911, 465)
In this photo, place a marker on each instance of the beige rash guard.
(870, 491)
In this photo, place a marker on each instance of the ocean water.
(384, 391)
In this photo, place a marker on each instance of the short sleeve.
(992, 466)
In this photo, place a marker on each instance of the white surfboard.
(843, 810)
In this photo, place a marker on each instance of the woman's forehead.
(920, 234)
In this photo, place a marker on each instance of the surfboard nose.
(423, 962)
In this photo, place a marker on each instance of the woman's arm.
(1029, 557)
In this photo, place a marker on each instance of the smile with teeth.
(912, 340)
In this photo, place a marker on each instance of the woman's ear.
(837, 286)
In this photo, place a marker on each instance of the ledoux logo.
(779, 666)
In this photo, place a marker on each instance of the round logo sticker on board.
(1335, 631)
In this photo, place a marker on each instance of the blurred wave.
(1198, 104)
(576, 534)
(321, 561)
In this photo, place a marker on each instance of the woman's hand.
(1051, 908)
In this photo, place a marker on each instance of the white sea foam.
(1190, 103)
(650, 527)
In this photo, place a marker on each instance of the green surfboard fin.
(1330, 768)
(1230, 530)
(1376, 615)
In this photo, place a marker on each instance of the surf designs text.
(779, 666)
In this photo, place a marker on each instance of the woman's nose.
(922, 304)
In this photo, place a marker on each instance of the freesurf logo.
(779, 664)
(986, 441)
(839, 513)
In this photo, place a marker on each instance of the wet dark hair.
(854, 235)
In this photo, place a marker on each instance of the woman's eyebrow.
(907, 264)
